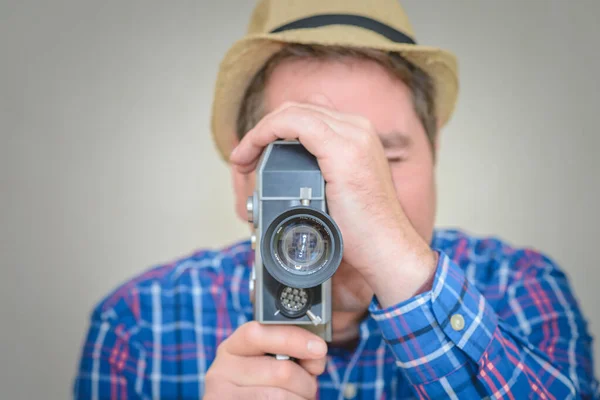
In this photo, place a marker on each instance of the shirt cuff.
(439, 331)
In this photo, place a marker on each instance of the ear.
(243, 187)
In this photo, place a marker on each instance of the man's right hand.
(243, 369)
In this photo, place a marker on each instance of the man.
(416, 313)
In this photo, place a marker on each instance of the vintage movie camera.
(298, 246)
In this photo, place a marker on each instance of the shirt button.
(349, 391)
(457, 322)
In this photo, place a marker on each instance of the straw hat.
(374, 24)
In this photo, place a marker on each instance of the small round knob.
(252, 284)
(250, 208)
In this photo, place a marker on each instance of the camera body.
(298, 247)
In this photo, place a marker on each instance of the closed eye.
(397, 146)
(395, 159)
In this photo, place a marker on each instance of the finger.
(268, 372)
(320, 99)
(323, 106)
(286, 123)
(261, 393)
(254, 339)
(320, 134)
(315, 366)
(322, 103)
(349, 126)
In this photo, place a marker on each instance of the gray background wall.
(106, 166)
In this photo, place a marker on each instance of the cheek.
(415, 189)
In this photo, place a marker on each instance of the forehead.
(354, 86)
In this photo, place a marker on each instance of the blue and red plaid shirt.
(523, 334)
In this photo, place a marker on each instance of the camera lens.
(302, 245)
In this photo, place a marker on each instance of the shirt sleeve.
(451, 343)
(110, 361)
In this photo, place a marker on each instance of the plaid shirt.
(499, 323)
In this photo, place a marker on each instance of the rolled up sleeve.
(450, 342)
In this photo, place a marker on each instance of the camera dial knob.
(250, 208)
(252, 284)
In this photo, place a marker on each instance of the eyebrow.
(392, 140)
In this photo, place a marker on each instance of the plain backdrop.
(107, 167)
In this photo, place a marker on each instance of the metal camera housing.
(298, 247)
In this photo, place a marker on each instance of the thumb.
(319, 99)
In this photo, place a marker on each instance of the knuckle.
(365, 123)
(323, 365)
(283, 372)
(320, 367)
(287, 105)
(354, 151)
(364, 141)
(293, 111)
(320, 127)
(251, 331)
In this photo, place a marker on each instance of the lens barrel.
(302, 247)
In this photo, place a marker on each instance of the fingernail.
(233, 152)
(317, 347)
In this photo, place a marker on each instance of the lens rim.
(288, 278)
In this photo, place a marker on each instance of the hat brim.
(247, 56)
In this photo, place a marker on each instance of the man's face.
(363, 88)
